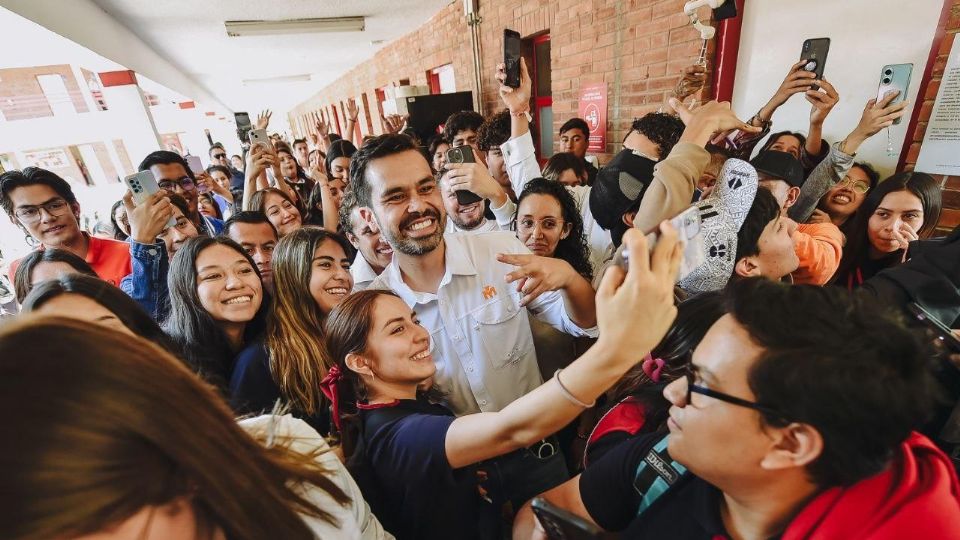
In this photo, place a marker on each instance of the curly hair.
(573, 248)
(495, 131)
(461, 121)
(662, 129)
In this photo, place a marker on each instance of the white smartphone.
(688, 226)
(143, 185)
(259, 136)
(196, 167)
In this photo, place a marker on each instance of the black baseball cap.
(776, 165)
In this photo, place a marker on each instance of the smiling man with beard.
(482, 342)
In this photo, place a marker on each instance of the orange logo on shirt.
(489, 292)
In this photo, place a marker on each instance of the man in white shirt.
(373, 253)
(469, 218)
(480, 330)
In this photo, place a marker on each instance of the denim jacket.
(148, 282)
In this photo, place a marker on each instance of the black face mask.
(618, 189)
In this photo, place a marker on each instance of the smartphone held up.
(511, 57)
(144, 184)
(463, 154)
(690, 235)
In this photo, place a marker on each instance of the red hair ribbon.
(329, 388)
(652, 367)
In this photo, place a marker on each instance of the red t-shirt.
(110, 259)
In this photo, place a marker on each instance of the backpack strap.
(656, 473)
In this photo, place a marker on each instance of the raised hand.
(323, 129)
(821, 101)
(475, 177)
(352, 110)
(797, 80)
(393, 123)
(517, 100)
(263, 119)
(149, 219)
(692, 79)
(710, 118)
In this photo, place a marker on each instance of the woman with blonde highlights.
(311, 275)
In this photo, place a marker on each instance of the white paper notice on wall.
(940, 152)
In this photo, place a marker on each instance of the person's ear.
(793, 194)
(796, 445)
(567, 227)
(628, 218)
(358, 364)
(747, 267)
(75, 208)
(368, 216)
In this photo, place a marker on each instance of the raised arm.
(255, 179)
(518, 152)
(646, 293)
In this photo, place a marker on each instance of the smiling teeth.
(422, 225)
(421, 356)
(239, 300)
(337, 290)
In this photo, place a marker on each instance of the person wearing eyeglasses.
(800, 430)
(153, 243)
(219, 157)
(841, 202)
(174, 176)
(44, 206)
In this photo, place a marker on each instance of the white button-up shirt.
(362, 273)
(521, 161)
(480, 336)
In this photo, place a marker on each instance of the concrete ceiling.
(190, 35)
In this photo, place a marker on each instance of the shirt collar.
(361, 270)
(456, 260)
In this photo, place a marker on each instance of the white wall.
(864, 36)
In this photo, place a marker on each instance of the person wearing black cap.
(819, 246)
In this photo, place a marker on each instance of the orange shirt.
(819, 247)
(110, 259)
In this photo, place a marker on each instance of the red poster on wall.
(593, 109)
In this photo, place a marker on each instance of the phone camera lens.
(886, 80)
(888, 72)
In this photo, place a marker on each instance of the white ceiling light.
(294, 26)
(274, 80)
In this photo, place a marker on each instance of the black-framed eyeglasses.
(31, 214)
(219, 156)
(186, 183)
(691, 376)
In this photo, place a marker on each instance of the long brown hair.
(106, 424)
(298, 358)
(348, 329)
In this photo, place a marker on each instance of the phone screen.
(511, 57)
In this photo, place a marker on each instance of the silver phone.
(689, 230)
(143, 185)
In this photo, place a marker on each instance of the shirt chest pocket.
(502, 332)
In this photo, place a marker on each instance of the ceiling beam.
(86, 24)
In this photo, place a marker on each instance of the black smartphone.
(511, 57)
(562, 525)
(243, 125)
(463, 154)
(814, 52)
(944, 334)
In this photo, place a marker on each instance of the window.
(441, 80)
(537, 53)
(55, 90)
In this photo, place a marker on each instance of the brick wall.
(637, 47)
(22, 98)
(950, 216)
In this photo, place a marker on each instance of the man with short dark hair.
(301, 153)
(492, 133)
(43, 205)
(218, 156)
(174, 176)
(799, 430)
(479, 322)
(575, 138)
(461, 129)
(258, 237)
(373, 252)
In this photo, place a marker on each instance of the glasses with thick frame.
(186, 183)
(29, 215)
(690, 376)
(859, 186)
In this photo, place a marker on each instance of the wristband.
(525, 113)
(570, 397)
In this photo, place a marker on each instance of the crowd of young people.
(327, 339)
